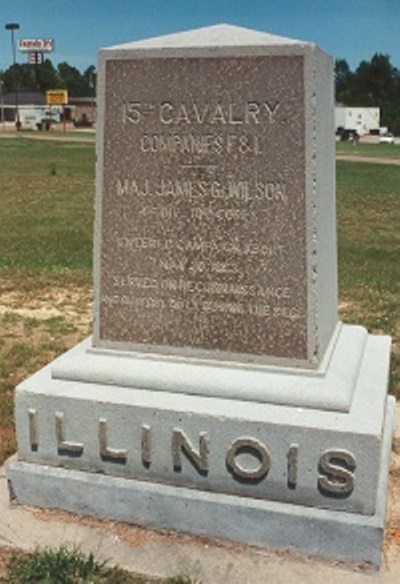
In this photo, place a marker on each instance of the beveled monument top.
(218, 35)
(215, 220)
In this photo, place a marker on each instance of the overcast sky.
(350, 29)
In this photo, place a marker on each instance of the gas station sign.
(57, 97)
(37, 45)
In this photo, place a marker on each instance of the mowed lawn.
(368, 219)
(46, 205)
(46, 225)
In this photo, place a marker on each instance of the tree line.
(374, 83)
(44, 76)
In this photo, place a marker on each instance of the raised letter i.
(292, 465)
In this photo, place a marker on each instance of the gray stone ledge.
(330, 388)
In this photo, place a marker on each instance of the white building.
(361, 119)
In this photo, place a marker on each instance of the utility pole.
(13, 26)
(2, 102)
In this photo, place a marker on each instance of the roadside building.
(83, 108)
(34, 113)
(30, 105)
(32, 110)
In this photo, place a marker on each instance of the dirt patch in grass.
(72, 305)
(37, 324)
(6, 554)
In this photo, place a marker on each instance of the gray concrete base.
(325, 533)
(266, 474)
(262, 451)
(162, 554)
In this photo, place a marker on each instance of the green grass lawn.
(368, 221)
(46, 209)
(65, 565)
(374, 150)
(46, 219)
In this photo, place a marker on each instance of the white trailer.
(31, 116)
(361, 119)
(35, 117)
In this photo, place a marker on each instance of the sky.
(347, 29)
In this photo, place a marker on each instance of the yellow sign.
(57, 97)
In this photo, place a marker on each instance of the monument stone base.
(268, 474)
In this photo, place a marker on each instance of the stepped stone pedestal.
(219, 394)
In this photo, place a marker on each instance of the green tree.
(40, 77)
(44, 76)
(73, 80)
(20, 76)
(378, 83)
(90, 76)
(344, 79)
(375, 83)
(47, 77)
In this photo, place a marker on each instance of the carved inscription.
(181, 444)
(66, 447)
(337, 472)
(292, 465)
(147, 449)
(203, 206)
(254, 449)
(196, 113)
(247, 460)
(107, 453)
(215, 144)
(242, 191)
(33, 429)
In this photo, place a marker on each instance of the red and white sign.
(35, 58)
(37, 45)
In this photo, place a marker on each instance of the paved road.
(79, 138)
(371, 159)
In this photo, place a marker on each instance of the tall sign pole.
(13, 26)
(35, 49)
(2, 102)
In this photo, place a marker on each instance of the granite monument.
(219, 395)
